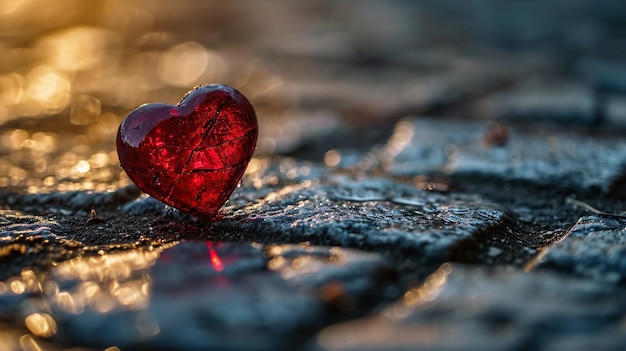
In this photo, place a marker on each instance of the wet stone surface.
(14, 224)
(595, 247)
(544, 158)
(372, 213)
(371, 239)
(476, 308)
(544, 101)
(34, 241)
(199, 295)
(423, 178)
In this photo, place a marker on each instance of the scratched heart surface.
(190, 156)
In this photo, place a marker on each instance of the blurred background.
(318, 73)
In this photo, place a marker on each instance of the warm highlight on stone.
(190, 156)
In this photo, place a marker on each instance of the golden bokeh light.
(71, 70)
(41, 324)
(47, 91)
(332, 158)
(82, 166)
(11, 89)
(106, 282)
(183, 64)
(75, 48)
(17, 287)
(28, 343)
(431, 287)
(9, 7)
(84, 110)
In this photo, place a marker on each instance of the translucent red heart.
(190, 156)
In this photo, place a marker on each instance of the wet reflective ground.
(436, 176)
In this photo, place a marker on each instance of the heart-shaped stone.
(190, 156)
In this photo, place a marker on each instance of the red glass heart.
(190, 156)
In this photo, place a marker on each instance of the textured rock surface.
(543, 101)
(424, 177)
(468, 308)
(594, 247)
(372, 213)
(549, 158)
(199, 295)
